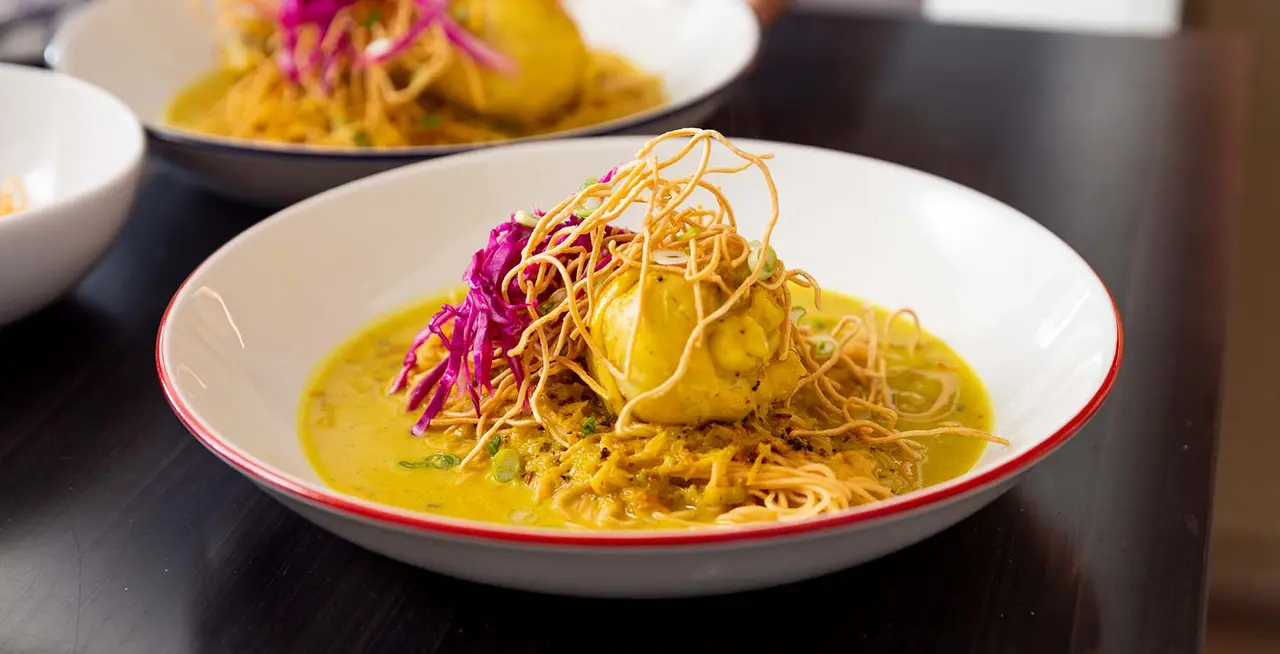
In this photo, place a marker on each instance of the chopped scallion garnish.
(770, 260)
(557, 296)
(824, 348)
(670, 257)
(589, 426)
(495, 444)
(689, 233)
(440, 460)
(372, 17)
(797, 313)
(506, 465)
(589, 204)
(526, 218)
(587, 207)
(430, 121)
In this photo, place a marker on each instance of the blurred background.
(1244, 607)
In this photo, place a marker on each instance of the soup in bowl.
(275, 101)
(711, 365)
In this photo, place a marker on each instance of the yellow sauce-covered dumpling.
(732, 372)
(540, 39)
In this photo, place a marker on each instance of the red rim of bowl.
(334, 501)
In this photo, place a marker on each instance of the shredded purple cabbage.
(486, 323)
(475, 48)
(293, 16)
(296, 14)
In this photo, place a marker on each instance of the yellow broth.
(195, 100)
(619, 90)
(356, 434)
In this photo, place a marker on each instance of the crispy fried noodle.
(398, 73)
(549, 369)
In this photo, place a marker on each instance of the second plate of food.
(272, 102)
(709, 366)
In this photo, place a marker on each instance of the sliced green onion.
(689, 233)
(557, 296)
(587, 207)
(372, 17)
(589, 426)
(590, 204)
(526, 218)
(670, 257)
(506, 465)
(824, 348)
(430, 121)
(770, 260)
(495, 444)
(362, 140)
(440, 460)
(522, 516)
(797, 313)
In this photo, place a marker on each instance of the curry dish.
(402, 73)
(590, 375)
(357, 436)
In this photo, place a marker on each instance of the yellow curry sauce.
(198, 98)
(356, 434)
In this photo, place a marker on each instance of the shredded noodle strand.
(330, 99)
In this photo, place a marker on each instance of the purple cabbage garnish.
(294, 15)
(483, 323)
(487, 323)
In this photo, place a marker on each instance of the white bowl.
(144, 51)
(78, 152)
(247, 328)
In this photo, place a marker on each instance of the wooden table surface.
(120, 533)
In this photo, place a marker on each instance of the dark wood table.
(119, 533)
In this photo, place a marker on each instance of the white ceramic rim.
(115, 178)
(230, 145)
(391, 517)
